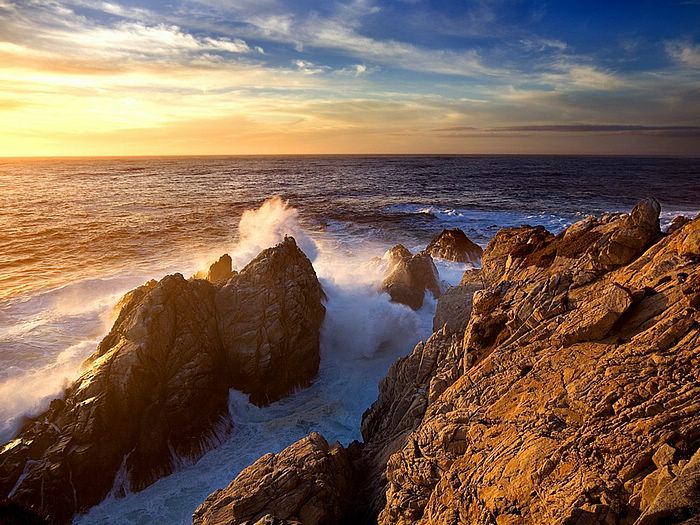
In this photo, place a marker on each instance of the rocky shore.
(155, 393)
(564, 390)
(561, 385)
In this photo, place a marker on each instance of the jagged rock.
(221, 270)
(677, 223)
(578, 398)
(408, 276)
(411, 384)
(309, 482)
(455, 305)
(272, 344)
(454, 245)
(156, 389)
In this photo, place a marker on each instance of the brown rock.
(455, 305)
(269, 319)
(408, 276)
(221, 270)
(309, 482)
(677, 223)
(579, 372)
(454, 245)
(157, 387)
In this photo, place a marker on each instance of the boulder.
(155, 392)
(409, 276)
(309, 482)
(454, 245)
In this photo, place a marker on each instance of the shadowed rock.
(455, 305)
(454, 245)
(309, 482)
(221, 270)
(408, 276)
(155, 391)
(272, 344)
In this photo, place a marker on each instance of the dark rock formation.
(221, 270)
(309, 482)
(272, 344)
(455, 304)
(156, 389)
(408, 277)
(454, 245)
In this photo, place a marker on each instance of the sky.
(194, 77)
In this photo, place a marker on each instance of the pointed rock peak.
(646, 212)
(221, 270)
(454, 245)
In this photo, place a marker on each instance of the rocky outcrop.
(221, 270)
(409, 276)
(455, 304)
(155, 391)
(309, 482)
(572, 396)
(269, 320)
(454, 245)
(577, 396)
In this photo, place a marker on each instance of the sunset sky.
(81, 77)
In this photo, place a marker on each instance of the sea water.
(75, 234)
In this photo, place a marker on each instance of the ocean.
(75, 234)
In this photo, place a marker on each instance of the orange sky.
(75, 80)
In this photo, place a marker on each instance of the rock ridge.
(155, 391)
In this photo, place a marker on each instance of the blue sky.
(270, 76)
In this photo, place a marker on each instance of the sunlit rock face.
(577, 397)
(454, 245)
(572, 396)
(155, 391)
(409, 276)
(309, 482)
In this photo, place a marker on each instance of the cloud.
(309, 68)
(685, 53)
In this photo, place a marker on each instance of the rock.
(221, 270)
(677, 499)
(677, 223)
(408, 277)
(309, 482)
(578, 395)
(411, 384)
(455, 305)
(269, 320)
(454, 245)
(155, 391)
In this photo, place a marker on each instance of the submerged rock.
(454, 245)
(155, 392)
(409, 276)
(309, 482)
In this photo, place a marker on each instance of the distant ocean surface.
(75, 234)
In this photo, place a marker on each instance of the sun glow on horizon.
(108, 79)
